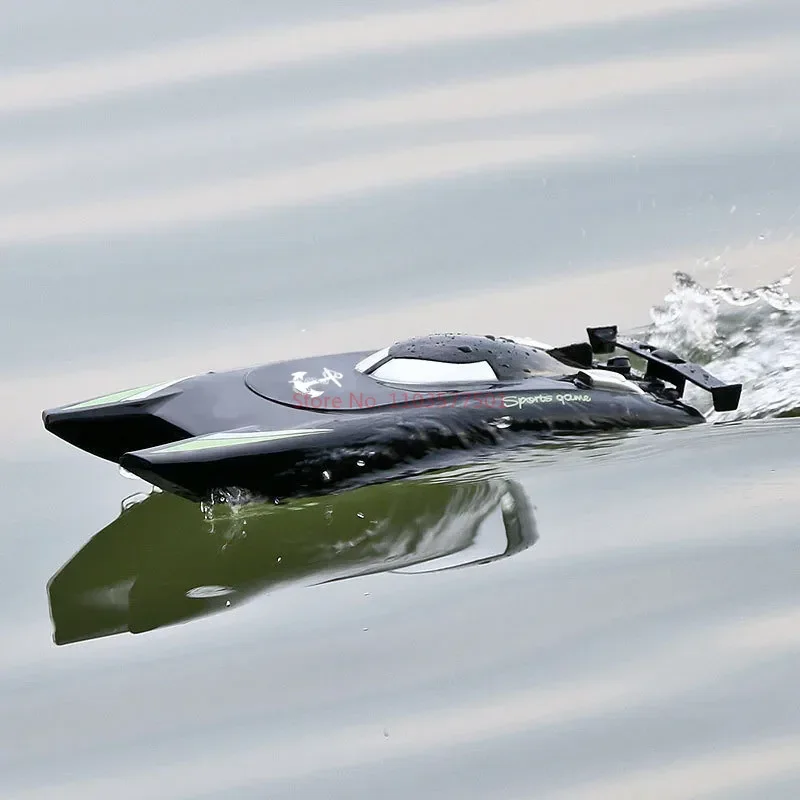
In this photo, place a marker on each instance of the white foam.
(750, 336)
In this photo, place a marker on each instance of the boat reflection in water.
(165, 560)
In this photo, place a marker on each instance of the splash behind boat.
(318, 424)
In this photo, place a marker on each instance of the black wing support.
(665, 365)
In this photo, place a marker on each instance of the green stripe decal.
(126, 396)
(117, 397)
(215, 440)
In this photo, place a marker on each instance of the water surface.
(191, 191)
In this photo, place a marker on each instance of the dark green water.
(618, 618)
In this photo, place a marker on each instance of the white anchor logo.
(304, 385)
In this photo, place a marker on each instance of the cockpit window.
(366, 364)
(419, 371)
(461, 358)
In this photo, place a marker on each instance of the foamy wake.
(750, 336)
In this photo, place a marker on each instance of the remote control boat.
(321, 424)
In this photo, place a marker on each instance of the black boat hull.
(321, 424)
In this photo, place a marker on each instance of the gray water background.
(193, 189)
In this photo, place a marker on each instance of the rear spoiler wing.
(665, 365)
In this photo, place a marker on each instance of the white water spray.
(750, 336)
